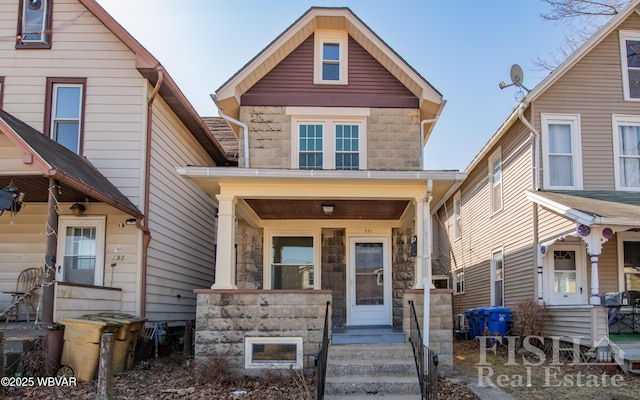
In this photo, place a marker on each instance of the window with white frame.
(495, 181)
(273, 352)
(561, 151)
(292, 262)
(81, 250)
(330, 142)
(497, 278)
(330, 57)
(458, 279)
(629, 257)
(34, 24)
(65, 102)
(457, 226)
(630, 60)
(626, 151)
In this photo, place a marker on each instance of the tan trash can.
(81, 348)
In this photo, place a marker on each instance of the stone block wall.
(269, 137)
(440, 321)
(334, 272)
(249, 256)
(224, 318)
(402, 271)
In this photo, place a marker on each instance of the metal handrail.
(426, 367)
(321, 357)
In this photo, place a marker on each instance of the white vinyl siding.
(495, 181)
(561, 151)
(630, 60)
(626, 150)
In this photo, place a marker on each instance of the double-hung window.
(292, 261)
(65, 109)
(561, 151)
(495, 181)
(458, 280)
(630, 60)
(34, 25)
(330, 57)
(497, 278)
(629, 257)
(626, 151)
(311, 145)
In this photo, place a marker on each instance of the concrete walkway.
(485, 392)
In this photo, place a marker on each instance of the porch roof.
(50, 159)
(592, 207)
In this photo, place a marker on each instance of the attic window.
(630, 54)
(330, 57)
(34, 24)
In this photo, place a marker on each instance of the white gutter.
(422, 143)
(536, 144)
(245, 130)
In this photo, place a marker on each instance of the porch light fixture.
(328, 209)
(77, 209)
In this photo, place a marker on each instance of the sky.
(464, 48)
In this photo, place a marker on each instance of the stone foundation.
(224, 318)
(440, 321)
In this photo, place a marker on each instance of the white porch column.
(226, 237)
(594, 237)
(595, 296)
(420, 234)
(540, 254)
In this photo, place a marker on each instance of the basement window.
(273, 352)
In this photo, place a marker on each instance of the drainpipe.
(245, 130)
(538, 248)
(144, 224)
(422, 124)
(426, 280)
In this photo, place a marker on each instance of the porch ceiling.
(343, 209)
(36, 189)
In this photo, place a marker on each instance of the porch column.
(420, 234)
(48, 287)
(594, 237)
(595, 296)
(226, 237)
(540, 254)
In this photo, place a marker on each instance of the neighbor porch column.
(420, 234)
(226, 237)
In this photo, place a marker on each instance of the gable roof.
(149, 67)
(228, 95)
(52, 159)
(553, 77)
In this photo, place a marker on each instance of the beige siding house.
(551, 206)
(92, 120)
(329, 201)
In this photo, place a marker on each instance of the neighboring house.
(93, 124)
(550, 209)
(329, 197)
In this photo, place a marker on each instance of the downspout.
(422, 144)
(538, 248)
(245, 130)
(426, 280)
(144, 224)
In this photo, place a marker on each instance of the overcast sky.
(464, 48)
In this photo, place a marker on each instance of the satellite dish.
(517, 77)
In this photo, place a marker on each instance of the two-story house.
(91, 129)
(550, 209)
(329, 201)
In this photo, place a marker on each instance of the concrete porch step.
(374, 396)
(379, 384)
(367, 334)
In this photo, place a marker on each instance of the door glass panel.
(564, 274)
(369, 274)
(79, 260)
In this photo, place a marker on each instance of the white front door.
(566, 282)
(81, 250)
(369, 281)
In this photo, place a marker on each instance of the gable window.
(34, 24)
(561, 151)
(630, 54)
(81, 250)
(457, 226)
(292, 262)
(65, 109)
(329, 138)
(497, 278)
(330, 57)
(495, 181)
(626, 150)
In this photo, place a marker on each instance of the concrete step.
(373, 397)
(387, 351)
(381, 385)
(371, 368)
(367, 334)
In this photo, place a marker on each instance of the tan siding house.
(92, 120)
(565, 166)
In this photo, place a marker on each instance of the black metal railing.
(321, 357)
(426, 360)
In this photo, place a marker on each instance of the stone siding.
(403, 270)
(224, 318)
(440, 321)
(334, 272)
(249, 256)
(393, 138)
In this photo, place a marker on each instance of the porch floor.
(367, 334)
(624, 337)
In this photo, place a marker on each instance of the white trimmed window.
(629, 258)
(495, 181)
(458, 280)
(457, 226)
(293, 261)
(630, 57)
(273, 352)
(34, 24)
(330, 57)
(497, 278)
(81, 245)
(561, 151)
(626, 151)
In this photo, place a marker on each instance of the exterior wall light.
(328, 209)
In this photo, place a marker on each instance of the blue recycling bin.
(497, 320)
(476, 318)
